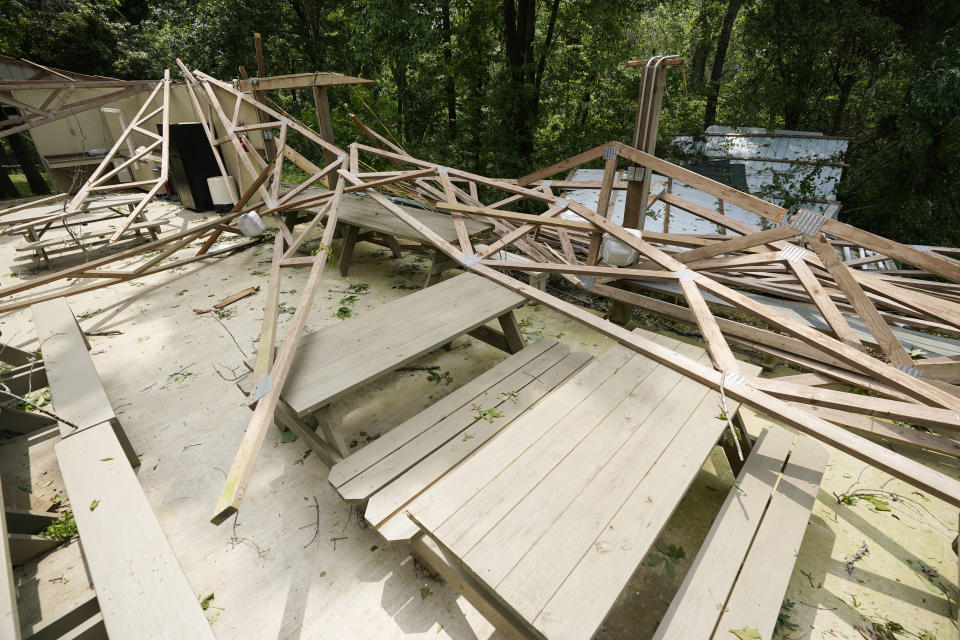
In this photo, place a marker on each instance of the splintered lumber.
(140, 586)
(240, 295)
(242, 469)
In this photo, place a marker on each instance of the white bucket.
(616, 253)
(219, 192)
(251, 224)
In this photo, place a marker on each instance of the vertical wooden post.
(268, 144)
(648, 123)
(324, 121)
(666, 208)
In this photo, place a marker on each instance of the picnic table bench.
(337, 359)
(35, 222)
(141, 589)
(360, 219)
(542, 523)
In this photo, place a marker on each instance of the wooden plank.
(463, 433)
(868, 313)
(827, 308)
(341, 357)
(758, 594)
(887, 430)
(881, 407)
(516, 217)
(398, 437)
(720, 352)
(298, 81)
(695, 609)
(736, 244)
(140, 586)
(563, 165)
(242, 468)
(74, 384)
(929, 261)
(268, 326)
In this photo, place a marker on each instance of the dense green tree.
(503, 86)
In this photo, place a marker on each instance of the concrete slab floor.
(298, 563)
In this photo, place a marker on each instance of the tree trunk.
(719, 58)
(451, 88)
(698, 61)
(38, 186)
(7, 188)
(400, 79)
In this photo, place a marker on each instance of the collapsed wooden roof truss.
(796, 260)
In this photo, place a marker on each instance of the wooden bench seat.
(394, 469)
(47, 243)
(342, 357)
(141, 589)
(742, 570)
(543, 526)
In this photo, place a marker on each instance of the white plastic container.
(251, 224)
(219, 192)
(616, 253)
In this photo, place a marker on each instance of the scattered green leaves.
(63, 529)
(489, 415)
(438, 378)
(666, 554)
(205, 601)
(94, 504)
(425, 593)
(747, 633)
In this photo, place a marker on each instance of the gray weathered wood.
(140, 586)
(697, 606)
(756, 598)
(74, 384)
(341, 357)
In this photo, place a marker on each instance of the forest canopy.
(503, 86)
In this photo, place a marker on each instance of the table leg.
(346, 254)
(511, 332)
(392, 243)
(730, 448)
(330, 429)
(40, 251)
(440, 264)
(620, 313)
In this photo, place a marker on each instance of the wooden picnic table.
(35, 222)
(543, 526)
(342, 357)
(360, 219)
